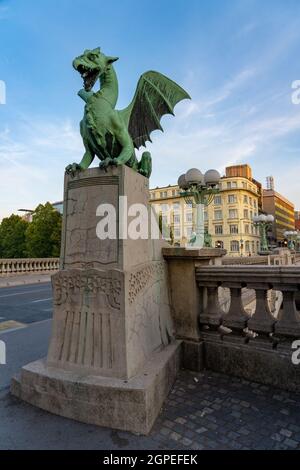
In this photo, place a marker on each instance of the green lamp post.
(199, 190)
(293, 238)
(264, 222)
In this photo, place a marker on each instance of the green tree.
(12, 237)
(43, 235)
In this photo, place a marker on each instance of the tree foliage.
(43, 234)
(13, 237)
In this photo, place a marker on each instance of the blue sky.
(237, 59)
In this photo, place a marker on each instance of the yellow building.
(283, 212)
(228, 219)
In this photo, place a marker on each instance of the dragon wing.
(155, 96)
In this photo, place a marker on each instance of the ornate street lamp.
(293, 238)
(199, 190)
(264, 222)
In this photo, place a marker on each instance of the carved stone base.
(111, 311)
(129, 405)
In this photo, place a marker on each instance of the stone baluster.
(237, 318)
(288, 323)
(212, 314)
(262, 322)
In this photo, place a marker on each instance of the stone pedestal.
(186, 298)
(112, 356)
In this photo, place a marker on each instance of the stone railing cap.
(192, 253)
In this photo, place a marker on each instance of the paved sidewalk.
(22, 279)
(203, 411)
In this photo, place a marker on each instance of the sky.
(236, 58)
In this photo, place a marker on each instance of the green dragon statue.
(113, 135)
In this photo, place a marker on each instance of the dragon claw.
(108, 162)
(73, 168)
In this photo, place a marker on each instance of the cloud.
(217, 136)
(228, 88)
(4, 10)
(32, 163)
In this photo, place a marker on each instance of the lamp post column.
(199, 225)
(263, 222)
(263, 237)
(199, 190)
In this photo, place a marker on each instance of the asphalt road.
(22, 425)
(26, 304)
(23, 345)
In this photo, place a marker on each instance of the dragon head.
(91, 65)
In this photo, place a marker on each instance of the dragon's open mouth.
(89, 76)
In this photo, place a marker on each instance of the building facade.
(297, 220)
(229, 219)
(284, 214)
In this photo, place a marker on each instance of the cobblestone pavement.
(203, 411)
(215, 411)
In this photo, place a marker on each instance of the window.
(188, 232)
(176, 206)
(232, 199)
(246, 214)
(253, 247)
(176, 218)
(205, 215)
(177, 232)
(164, 220)
(245, 199)
(228, 185)
(254, 203)
(247, 246)
(233, 184)
(247, 228)
(161, 194)
(189, 205)
(218, 215)
(219, 244)
(165, 207)
(234, 246)
(189, 217)
(219, 229)
(218, 200)
(173, 192)
(251, 215)
(244, 185)
(233, 214)
(250, 201)
(234, 229)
